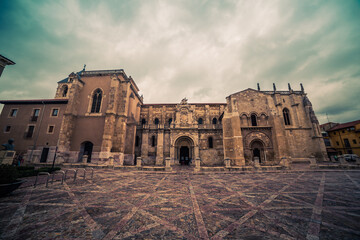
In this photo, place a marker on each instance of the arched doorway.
(257, 149)
(184, 147)
(86, 149)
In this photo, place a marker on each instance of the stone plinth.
(84, 159)
(138, 162)
(168, 164)
(285, 162)
(197, 165)
(227, 163)
(256, 162)
(111, 161)
(313, 163)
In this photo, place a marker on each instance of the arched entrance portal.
(86, 149)
(184, 147)
(257, 148)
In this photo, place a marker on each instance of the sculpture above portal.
(184, 101)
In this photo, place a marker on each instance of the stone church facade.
(100, 114)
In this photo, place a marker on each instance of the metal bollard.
(92, 172)
(69, 170)
(62, 178)
(42, 173)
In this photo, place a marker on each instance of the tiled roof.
(345, 125)
(35, 101)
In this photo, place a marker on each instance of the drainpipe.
(37, 136)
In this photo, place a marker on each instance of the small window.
(343, 131)
(210, 142)
(153, 141)
(200, 121)
(337, 143)
(143, 121)
(36, 112)
(30, 131)
(156, 121)
(170, 121)
(253, 120)
(286, 115)
(346, 142)
(214, 121)
(51, 129)
(7, 129)
(54, 112)
(354, 141)
(13, 112)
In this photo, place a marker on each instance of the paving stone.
(141, 205)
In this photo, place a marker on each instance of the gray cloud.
(204, 50)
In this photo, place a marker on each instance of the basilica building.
(100, 114)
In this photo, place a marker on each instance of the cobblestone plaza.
(182, 205)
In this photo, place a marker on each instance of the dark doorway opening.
(184, 155)
(256, 153)
(86, 149)
(44, 154)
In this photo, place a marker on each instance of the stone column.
(145, 144)
(160, 148)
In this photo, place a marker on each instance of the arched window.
(156, 121)
(153, 141)
(200, 121)
(210, 142)
(253, 120)
(286, 115)
(143, 121)
(137, 141)
(64, 91)
(170, 121)
(96, 101)
(214, 121)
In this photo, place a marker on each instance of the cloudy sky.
(202, 50)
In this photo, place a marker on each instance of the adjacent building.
(100, 114)
(345, 138)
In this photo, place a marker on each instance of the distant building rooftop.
(345, 125)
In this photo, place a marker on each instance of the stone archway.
(184, 150)
(86, 148)
(257, 150)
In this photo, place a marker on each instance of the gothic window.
(96, 101)
(153, 141)
(170, 121)
(214, 121)
(64, 91)
(286, 115)
(200, 121)
(143, 121)
(253, 120)
(156, 121)
(210, 142)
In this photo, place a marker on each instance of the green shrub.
(23, 168)
(8, 174)
(48, 169)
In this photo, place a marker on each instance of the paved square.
(134, 205)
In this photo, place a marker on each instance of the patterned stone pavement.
(134, 205)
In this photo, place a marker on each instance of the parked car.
(350, 157)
